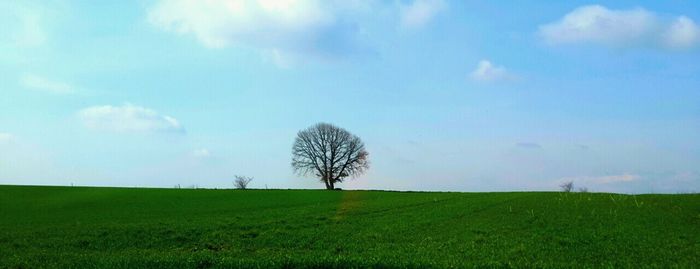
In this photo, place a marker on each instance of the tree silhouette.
(330, 153)
(241, 182)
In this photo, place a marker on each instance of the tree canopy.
(329, 152)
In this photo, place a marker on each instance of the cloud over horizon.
(607, 179)
(128, 118)
(637, 27)
(606, 183)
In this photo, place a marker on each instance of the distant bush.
(583, 189)
(241, 182)
(567, 186)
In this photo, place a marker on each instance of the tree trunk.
(332, 187)
(328, 187)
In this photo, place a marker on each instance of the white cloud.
(683, 33)
(219, 23)
(201, 153)
(600, 25)
(420, 12)
(35, 82)
(285, 28)
(597, 24)
(128, 118)
(487, 71)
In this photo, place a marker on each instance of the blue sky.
(447, 95)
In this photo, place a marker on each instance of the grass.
(80, 227)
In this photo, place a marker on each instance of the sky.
(447, 95)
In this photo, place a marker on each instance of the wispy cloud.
(489, 72)
(40, 83)
(597, 24)
(128, 118)
(420, 12)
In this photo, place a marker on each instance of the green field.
(78, 227)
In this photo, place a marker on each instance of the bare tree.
(241, 182)
(567, 186)
(329, 152)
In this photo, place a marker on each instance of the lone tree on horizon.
(242, 182)
(330, 153)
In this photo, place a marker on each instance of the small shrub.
(583, 189)
(241, 182)
(567, 186)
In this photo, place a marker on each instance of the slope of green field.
(76, 227)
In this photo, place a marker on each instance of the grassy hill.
(79, 227)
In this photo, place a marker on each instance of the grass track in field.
(79, 227)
